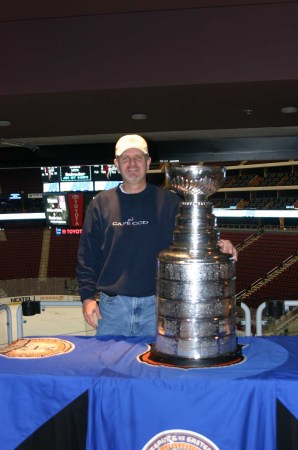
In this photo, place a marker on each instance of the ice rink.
(52, 321)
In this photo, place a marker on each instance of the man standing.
(124, 230)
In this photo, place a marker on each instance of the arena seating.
(20, 253)
(63, 255)
(282, 287)
(255, 261)
(237, 237)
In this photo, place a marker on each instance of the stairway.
(248, 242)
(270, 276)
(44, 257)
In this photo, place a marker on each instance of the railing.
(271, 272)
(247, 315)
(41, 306)
(254, 284)
(287, 260)
(241, 293)
(8, 321)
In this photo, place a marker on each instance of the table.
(135, 406)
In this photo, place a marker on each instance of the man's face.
(133, 165)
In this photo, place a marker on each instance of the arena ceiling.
(211, 78)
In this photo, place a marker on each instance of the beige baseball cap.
(131, 141)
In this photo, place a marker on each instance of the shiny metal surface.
(196, 309)
(193, 182)
(184, 309)
(205, 347)
(194, 327)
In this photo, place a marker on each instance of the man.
(124, 230)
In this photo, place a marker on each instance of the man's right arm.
(88, 261)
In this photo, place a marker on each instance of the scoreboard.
(75, 173)
(79, 178)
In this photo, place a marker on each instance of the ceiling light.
(4, 123)
(139, 116)
(248, 111)
(289, 110)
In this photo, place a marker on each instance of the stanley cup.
(196, 306)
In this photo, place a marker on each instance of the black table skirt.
(67, 430)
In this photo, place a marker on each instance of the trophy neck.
(195, 227)
(191, 198)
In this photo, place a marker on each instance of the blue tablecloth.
(132, 403)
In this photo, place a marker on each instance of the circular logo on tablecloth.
(37, 348)
(179, 439)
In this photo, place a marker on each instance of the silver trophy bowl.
(193, 182)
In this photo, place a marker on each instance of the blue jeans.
(127, 316)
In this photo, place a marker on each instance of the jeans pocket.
(104, 298)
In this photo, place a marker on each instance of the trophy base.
(174, 361)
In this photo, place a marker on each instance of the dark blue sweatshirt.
(121, 239)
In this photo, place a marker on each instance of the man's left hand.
(226, 246)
